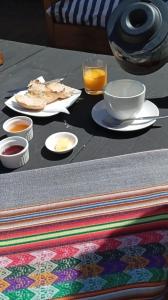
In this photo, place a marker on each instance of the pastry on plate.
(40, 94)
(50, 91)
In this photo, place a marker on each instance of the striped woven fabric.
(112, 246)
(85, 12)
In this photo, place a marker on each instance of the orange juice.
(95, 78)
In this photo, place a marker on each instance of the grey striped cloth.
(84, 12)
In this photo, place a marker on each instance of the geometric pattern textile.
(112, 246)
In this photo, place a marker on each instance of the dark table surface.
(24, 62)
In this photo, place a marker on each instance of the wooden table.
(24, 62)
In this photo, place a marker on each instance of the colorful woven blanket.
(112, 246)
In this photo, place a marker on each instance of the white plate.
(102, 118)
(50, 109)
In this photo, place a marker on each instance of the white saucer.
(102, 118)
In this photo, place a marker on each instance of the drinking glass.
(94, 76)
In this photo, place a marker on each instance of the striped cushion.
(85, 12)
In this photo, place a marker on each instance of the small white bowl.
(27, 133)
(17, 160)
(61, 142)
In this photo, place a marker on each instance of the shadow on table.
(81, 117)
(53, 156)
(4, 170)
(161, 102)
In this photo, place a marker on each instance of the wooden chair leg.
(1, 58)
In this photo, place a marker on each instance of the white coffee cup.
(124, 98)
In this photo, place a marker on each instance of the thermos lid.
(138, 25)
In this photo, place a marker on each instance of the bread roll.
(40, 94)
(29, 102)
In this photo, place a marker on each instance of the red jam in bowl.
(13, 150)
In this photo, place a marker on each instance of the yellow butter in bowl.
(61, 142)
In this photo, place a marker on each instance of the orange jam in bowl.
(17, 126)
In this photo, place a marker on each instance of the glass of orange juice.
(94, 76)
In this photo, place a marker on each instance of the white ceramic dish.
(124, 98)
(102, 118)
(50, 109)
(61, 142)
(15, 160)
(27, 133)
